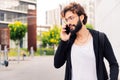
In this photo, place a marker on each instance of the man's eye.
(71, 18)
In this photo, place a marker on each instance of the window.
(1, 16)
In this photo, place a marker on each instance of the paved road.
(36, 68)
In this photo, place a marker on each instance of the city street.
(36, 68)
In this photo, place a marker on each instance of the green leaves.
(90, 26)
(17, 30)
(52, 36)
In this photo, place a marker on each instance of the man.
(80, 49)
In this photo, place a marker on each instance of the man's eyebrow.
(69, 16)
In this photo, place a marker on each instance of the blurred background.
(43, 17)
(32, 27)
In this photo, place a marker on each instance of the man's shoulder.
(95, 31)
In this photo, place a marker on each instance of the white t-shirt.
(83, 62)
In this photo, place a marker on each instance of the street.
(36, 68)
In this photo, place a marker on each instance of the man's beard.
(78, 27)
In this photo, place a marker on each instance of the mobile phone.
(67, 29)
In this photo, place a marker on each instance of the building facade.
(53, 16)
(15, 13)
(16, 10)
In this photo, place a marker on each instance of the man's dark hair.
(75, 8)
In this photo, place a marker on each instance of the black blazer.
(63, 54)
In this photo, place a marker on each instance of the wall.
(107, 19)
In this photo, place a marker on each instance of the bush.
(13, 52)
(46, 51)
(40, 51)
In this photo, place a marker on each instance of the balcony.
(29, 1)
(7, 21)
(14, 10)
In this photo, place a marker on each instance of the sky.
(44, 5)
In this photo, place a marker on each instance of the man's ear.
(81, 18)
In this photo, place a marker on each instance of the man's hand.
(64, 36)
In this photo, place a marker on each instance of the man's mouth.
(72, 27)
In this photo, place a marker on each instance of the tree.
(52, 36)
(17, 31)
(45, 38)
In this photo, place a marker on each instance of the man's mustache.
(71, 25)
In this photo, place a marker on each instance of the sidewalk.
(36, 68)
